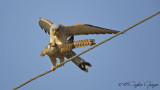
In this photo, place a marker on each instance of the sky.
(133, 57)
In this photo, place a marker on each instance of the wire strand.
(87, 50)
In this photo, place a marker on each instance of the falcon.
(59, 34)
(65, 50)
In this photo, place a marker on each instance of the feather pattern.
(66, 48)
(85, 29)
(45, 25)
(76, 29)
(83, 43)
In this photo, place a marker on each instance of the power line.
(87, 50)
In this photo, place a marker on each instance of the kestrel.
(65, 50)
(59, 34)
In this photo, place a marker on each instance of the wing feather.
(44, 51)
(45, 25)
(85, 29)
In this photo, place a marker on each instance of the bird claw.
(52, 68)
(58, 64)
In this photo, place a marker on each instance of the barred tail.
(66, 48)
(83, 43)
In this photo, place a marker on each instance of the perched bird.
(59, 34)
(65, 50)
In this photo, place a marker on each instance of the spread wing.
(45, 25)
(85, 29)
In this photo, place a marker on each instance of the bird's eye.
(55, 45)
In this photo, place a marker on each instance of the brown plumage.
(82, 43)
(66, 48)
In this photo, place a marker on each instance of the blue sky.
(133, 56)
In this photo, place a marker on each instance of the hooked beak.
(52, 45)
(54, 32)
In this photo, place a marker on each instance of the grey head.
(56, 28)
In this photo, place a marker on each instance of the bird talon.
(58, 64)
(52, 68)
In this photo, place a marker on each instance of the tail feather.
(67, 47)
(82, 64)
(83, 43)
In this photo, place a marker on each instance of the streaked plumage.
(65, 50)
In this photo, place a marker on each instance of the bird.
(60, 33)
(65, 50)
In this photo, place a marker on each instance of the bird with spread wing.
(59, 34)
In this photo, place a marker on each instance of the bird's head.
(51, 49)
(52, 45)
(56, 28)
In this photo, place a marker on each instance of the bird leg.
(61, 60)
(54, 61)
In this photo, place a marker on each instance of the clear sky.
(133, 56)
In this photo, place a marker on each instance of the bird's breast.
(52, 51)
(60, 39)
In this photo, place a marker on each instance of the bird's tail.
(82, 64)
(83, 43)
(67, 47)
